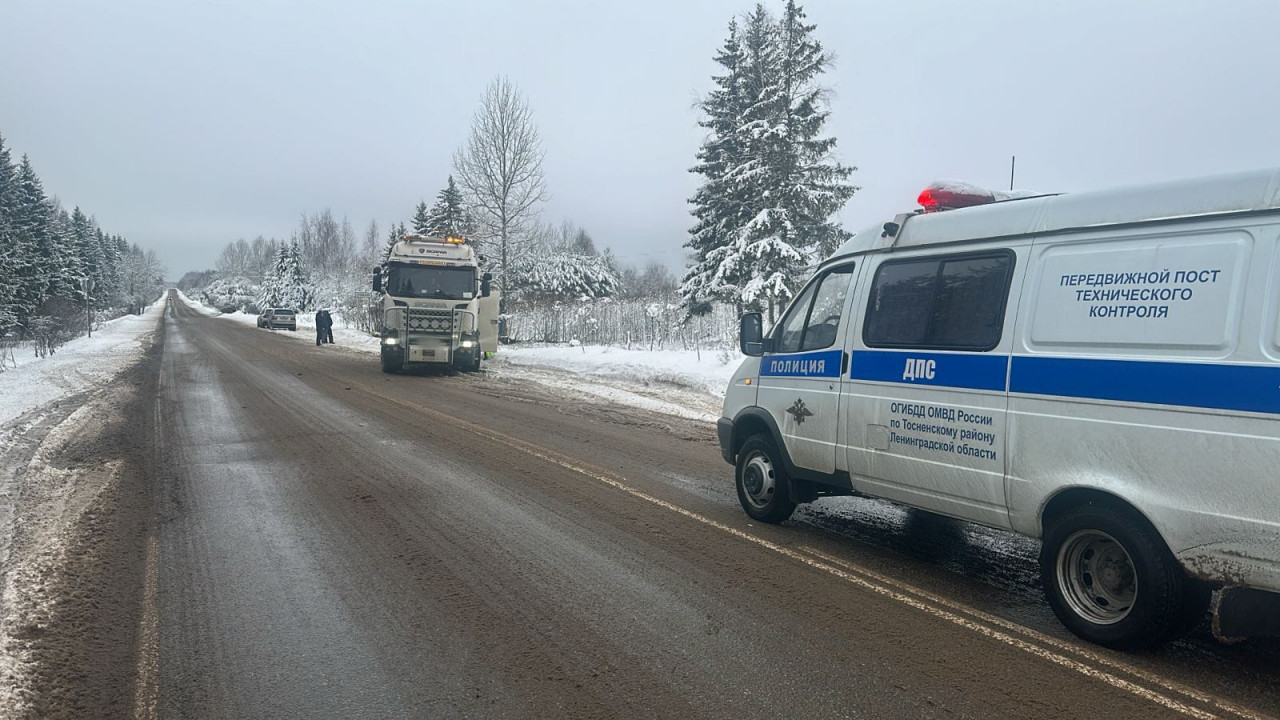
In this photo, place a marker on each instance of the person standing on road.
(328, 326)
(320, 331)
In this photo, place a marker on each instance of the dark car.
(278, 319)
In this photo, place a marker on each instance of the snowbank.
(82, 363)
(703, 372)
(683, 383)
(197, 305)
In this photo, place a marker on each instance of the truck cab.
(438, 308)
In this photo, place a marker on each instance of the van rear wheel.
(1110, 579)
(764, 489)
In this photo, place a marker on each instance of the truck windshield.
(428, 281)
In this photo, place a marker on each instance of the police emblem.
(799, 411)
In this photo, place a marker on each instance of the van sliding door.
(926, 394)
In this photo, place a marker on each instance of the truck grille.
(430, 322)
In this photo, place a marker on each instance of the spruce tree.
(448, 216)
(16, 253)
(762, 254)
(715, 207)
(295, 284)
(770, 187)
(394, 235)
(89, 252)
(814, 187)
(270, 293)
(422, 219)
(31, 222)
(63, 263)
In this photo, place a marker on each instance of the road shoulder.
(78, 477)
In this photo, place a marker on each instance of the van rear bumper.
(1253, 564)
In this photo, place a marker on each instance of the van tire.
(1111, 580)
(764, 489)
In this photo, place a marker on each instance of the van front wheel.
(1111, 580)
(763, 486)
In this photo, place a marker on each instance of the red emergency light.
(952, 195)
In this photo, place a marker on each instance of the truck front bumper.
(724, 432)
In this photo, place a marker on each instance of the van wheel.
(763, 486)
(1110, 579)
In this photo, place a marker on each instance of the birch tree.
(500, 171)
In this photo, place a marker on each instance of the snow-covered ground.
(83, 363)
(685, 383)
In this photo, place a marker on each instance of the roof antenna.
(1013, 165)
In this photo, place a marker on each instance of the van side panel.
(926, 425)
(1147, 366)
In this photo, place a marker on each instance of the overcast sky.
(184, 125)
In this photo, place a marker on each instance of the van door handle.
(844, 363)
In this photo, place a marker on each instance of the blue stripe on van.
(825, 364)
(974, 371)
(1248, 388)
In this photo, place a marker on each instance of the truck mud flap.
(1240, 613)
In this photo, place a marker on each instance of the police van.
(1098, 370)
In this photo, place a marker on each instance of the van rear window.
(946, 303)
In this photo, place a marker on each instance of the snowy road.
(333, 542)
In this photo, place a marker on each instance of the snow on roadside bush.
(231, 294)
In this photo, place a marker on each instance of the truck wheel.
(1110, 579)
(388, 365)
(763, 486)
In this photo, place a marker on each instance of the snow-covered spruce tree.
(394, 235)
(764, 256)
(765, 207)
(287, 286)
(448, 217)
(269, 292)
(812, 187)
(33, 224)
(422, 219)
(295, 284)
(561, 275)
(89, 254)
(17, 256)
(110, 294)
(716, 208)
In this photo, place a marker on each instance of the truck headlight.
(390, 341)
(468, 343)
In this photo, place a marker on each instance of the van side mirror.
(751, 334)
(377, 279)
(486, 284)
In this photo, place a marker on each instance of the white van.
(1098, 370)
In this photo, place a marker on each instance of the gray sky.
(184, 125)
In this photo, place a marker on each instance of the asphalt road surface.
(330, 541)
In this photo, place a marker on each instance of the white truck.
(438, 310)
(1098, 370)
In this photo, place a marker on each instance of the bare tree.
(371, 250)
(500, 170)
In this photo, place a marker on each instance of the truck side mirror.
(751, 334)
(486, 284)
(377, 279)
